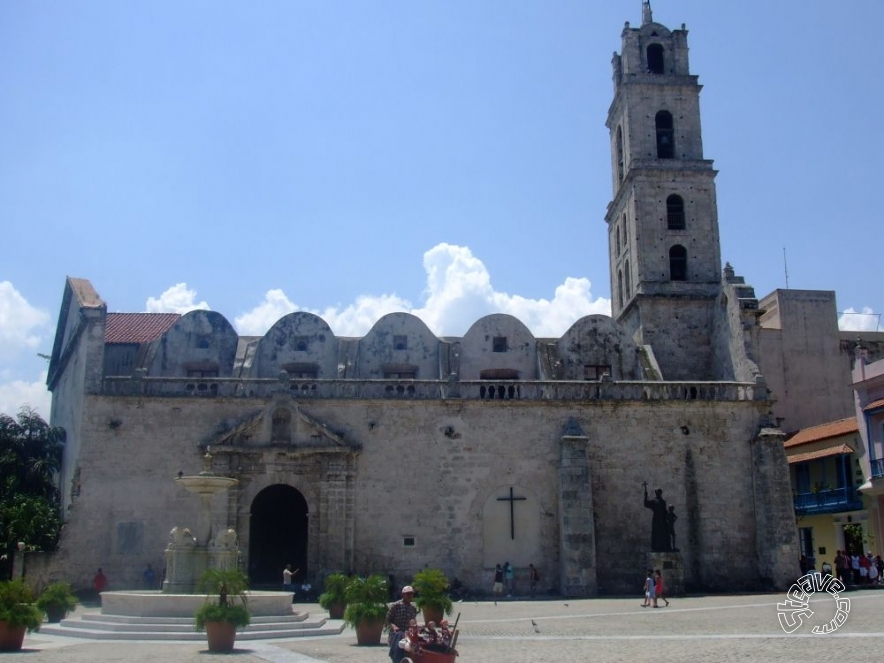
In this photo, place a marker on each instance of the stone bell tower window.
(628, 281)
(675, 213)
(656, 61)
(665, 135)
(678, 263)
(620, 168)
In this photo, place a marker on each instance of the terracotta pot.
(368, 632)
(220, 636)
(336, 610)
(11, 637)
(432, 615)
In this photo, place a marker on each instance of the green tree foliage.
(30, 458)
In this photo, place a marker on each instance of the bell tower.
(663, 242)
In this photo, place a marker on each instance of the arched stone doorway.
(277, 535)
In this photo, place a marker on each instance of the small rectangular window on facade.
(400, 342)
(595, 372)
(408, 541)
(399, 375)
(499, 344)
(202, 373)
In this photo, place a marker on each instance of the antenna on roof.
(647, 17)
(785, 268)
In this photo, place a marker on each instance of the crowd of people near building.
(851, 569)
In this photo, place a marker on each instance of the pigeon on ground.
(534, 624)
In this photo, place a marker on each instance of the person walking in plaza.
(399, 617)
(650, 595)
(658, 587)
(498, 583)
(534, 577)
(509, 575)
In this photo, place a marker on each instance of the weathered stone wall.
(427, 470)
(298, 338)
(597, 340)
(478, 352)
(801, 360)
(399, 343)
(198, 341)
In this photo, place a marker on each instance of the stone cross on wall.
(512, 499)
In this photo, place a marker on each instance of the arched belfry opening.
(665, 135)
(656, 60)
(277, 535)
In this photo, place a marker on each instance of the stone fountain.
(188, 556)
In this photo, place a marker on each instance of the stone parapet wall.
(436, 389)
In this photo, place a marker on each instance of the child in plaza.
(650, 594)
(658, 587)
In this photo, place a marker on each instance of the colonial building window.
(301, 343)
(675, 213)
(678, 263)
(399, 371)
(596, 371)
(621, 173)
(656, 60)
(665, 135)
(400, 342)
(201, 369)
(302, 370)
(499, 344)
(202, 343)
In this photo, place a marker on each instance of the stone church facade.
(401, 450)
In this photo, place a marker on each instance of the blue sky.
(446, 158)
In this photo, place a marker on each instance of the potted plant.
(334, 598)
(226, 608)
(18, 614)
(431, 589)
(366, 607)
(57, 600)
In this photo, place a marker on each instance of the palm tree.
(30, 458)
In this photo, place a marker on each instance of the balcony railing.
(530, 390)
(828, 501)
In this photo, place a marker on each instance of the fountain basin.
(153, 603)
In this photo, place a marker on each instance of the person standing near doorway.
(287, 574)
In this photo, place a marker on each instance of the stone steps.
(96, 626)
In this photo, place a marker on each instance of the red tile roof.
(823, 431)
(137, 327)
(874, 405)
(833, 450)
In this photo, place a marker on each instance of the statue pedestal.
(671, 565)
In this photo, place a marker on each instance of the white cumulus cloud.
(21, 325)
(177, 299)
(261, 318)
(865, 320)
(458, 292)
(16, 393)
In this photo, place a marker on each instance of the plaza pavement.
(697, 628)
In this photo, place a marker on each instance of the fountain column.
(188, 556)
